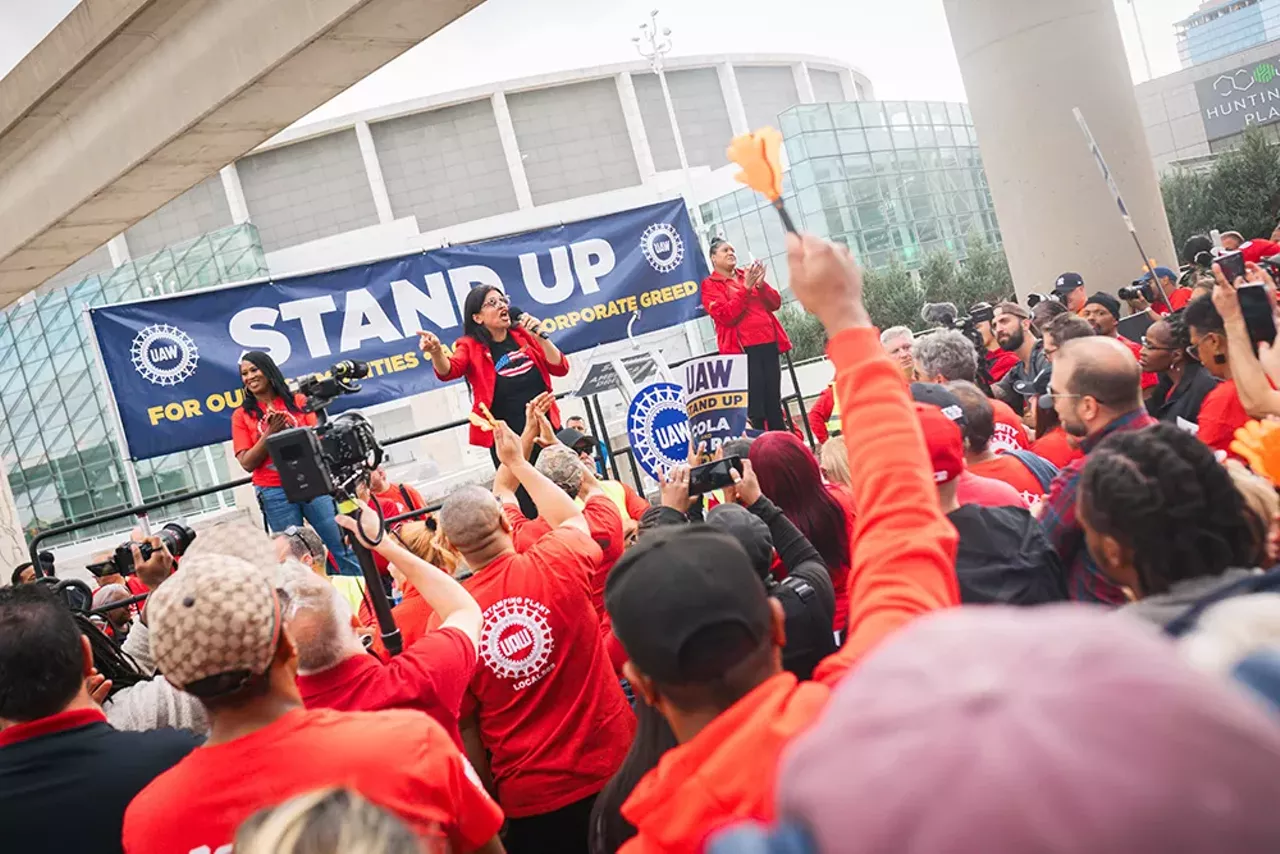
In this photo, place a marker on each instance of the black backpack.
(809, 635)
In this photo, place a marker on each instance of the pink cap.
(1060, 729)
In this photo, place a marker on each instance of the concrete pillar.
(848, 85)
(235, 194)
(511, 148)
(635, 126)
(373, 171)
(804, 83)
(1055, 211)
(733, 99)
(13, 543)
(118, 249)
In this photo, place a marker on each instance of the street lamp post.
(653, 44)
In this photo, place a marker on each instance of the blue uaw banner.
(174, 362)
(715, 395)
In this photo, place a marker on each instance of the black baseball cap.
(687, 605)
(749, 530)
(1037, 387)
(576, 439)
(936, 395)
(1068, 282)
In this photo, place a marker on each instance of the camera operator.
(1141, 297)
(335, 671)
(999, 360)
(1013, 332)
(807, 595)
(66, 774)
(270, 408)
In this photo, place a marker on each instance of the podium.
(625, 374)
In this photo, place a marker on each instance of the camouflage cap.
(218, 616)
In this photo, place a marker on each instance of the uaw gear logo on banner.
(173, 362)
(658, 428)
(715, 389)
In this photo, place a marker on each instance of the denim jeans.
(320, 512)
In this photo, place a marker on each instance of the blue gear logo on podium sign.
(658, 427)
(164, 354)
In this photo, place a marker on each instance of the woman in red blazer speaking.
(507, 363)
(741, 304)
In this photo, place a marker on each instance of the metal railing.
(595, 422)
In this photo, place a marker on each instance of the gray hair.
(561, 466)
(948, 354)
(304, 542)
(895, 332)
(318, 617)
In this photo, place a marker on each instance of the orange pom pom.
(760, 156)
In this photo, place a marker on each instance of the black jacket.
(807, 596)
(1169, 404)
(1004, 558)
(67, 790)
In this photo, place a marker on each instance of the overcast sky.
(902, 45)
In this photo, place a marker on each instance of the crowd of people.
(904, 640)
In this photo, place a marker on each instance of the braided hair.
(110, 660)
(1161, 493)
(1180, 334)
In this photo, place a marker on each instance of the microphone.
(517, 313)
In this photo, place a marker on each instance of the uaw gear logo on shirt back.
(1005, 438)
(164, 354)
(662, 246)
(516, 640)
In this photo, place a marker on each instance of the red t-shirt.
(403, 761)
(840, 574)
(548, 703)
(412, 615)
(246, 431)
(1221, 415)
(999, 363)
(1178, 300)
(395, 501)
(1010, 434)
(1256, 250)
(1010, 470)
(985, 491)
(1055, 446)
(431, 675)
(1149, 380)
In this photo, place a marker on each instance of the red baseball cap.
(945, 441)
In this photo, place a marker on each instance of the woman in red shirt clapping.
(741, 305)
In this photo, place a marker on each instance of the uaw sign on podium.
(667, 418)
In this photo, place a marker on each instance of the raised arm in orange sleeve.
(904, 558)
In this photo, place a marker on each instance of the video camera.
(334, 457)
(1034, 299)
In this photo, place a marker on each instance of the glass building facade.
(57, 438)
(1219, 29)
(892, 180)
